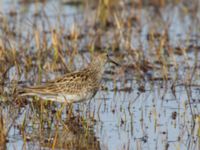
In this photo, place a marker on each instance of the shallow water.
(163, 115)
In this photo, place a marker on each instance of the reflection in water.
(40, 126)
(70, 138)
(160, 65)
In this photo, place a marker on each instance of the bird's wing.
(69, 83)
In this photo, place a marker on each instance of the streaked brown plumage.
(72, 87)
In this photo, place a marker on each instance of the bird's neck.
(96, 69)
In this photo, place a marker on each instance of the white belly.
(64, 98)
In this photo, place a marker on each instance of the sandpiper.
(72, 87)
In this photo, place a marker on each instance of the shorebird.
(72, 87)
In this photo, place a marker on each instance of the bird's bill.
(112, 61)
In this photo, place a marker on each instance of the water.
(156, 118)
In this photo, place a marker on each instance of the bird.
(72, 87)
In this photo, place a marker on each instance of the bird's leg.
(69, 110)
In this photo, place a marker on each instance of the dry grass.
(36, 50)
